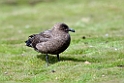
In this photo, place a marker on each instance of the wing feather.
(34, 39)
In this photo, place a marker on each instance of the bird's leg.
(47, 59)
(58, 57)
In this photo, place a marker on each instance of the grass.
(99, 21)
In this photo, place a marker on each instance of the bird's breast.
(61, 43)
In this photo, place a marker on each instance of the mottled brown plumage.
(53, 41)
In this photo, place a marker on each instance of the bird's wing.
(43, 37)
(46, 34)
(34, 39)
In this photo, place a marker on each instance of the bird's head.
(63, 27)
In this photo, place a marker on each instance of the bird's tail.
(30, 40)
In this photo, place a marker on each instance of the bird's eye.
(65, 26)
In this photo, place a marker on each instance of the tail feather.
(29, 41)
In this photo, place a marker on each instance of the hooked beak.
(72, 30)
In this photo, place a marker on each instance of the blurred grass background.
(96, 53)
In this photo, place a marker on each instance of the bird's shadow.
(53, 59)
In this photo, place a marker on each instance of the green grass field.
(96, 52)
